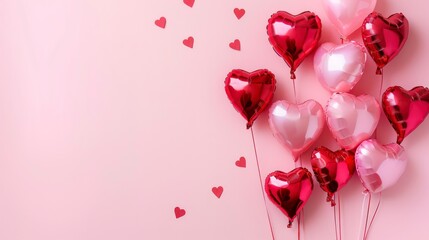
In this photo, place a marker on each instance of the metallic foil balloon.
(384, 38)
(347, 15)
(339, 67)
(379, 166)
(289, 191)
(406, 110)
(296, 126)
(250, 93)
(352, 119)
(332, 169)
(293, 37)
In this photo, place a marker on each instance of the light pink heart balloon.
(296, 126)
(352, 119)
(340, 67)
(378, 166)
(348, 15)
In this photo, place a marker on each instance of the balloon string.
(367, 215)
(339, 214)
(362, 214)
(262, 185)
(373, 217)
(298, 163)
(294, 91)
(381, 84)
(335, 218)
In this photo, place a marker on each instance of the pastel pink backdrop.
(108, 122)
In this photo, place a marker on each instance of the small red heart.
(161, 22)
(332, 169)
(406, 110)
(235, 45)
(217, 191)
(179, 212)
(189, 42)
(190, 3)
(241, 162)
(239, 12)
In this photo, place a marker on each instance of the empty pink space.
(114, 123)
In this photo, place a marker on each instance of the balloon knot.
(292, 75)
(378, 72)
(248, 125)
(289, 224)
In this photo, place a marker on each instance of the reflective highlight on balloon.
(384, 37)
(296, 126)
(250, 93)
(406, 110)
(352, 119)
(339, 67)
(333, 170)
(379, 167)
(294, 37)
(289, 191)
(347, 15)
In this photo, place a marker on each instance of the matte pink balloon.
(348, 15)
(378, 166)
(296, 126)
(352, 119)
(340, 67)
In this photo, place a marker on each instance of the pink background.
(108, 122)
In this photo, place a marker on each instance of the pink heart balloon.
(296, 126)
(352, 119)
(348, 15)
(340, 67)
(378, 166)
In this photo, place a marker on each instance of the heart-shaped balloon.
(406, 110)
(378, 166)
(289, 191)
(250, 93)
(293, 37)
(296, 126)
(384, 38)
(347, 15)
(339, 67)
(332, 169)
(352, 119)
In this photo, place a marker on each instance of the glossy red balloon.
(289, 191)
(332, 169)
(406, 110)
(293, 37)
(384, 37)
(250, 93)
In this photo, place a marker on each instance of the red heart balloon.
(384, 38)
(293, 37)
(332, 169)
(289, 191)
(250, 93)
(406, 110)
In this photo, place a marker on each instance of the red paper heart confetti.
(239, 12)
(161, 22)
(190, 3)
(179, 212)
(217, 191)
(235, 45)
(189, 42)
(241, 162)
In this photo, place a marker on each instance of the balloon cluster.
(351, 119)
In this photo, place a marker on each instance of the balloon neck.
(289, 225)
(292, 74)
(248, 125)
(399, 140)
(379, 71)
